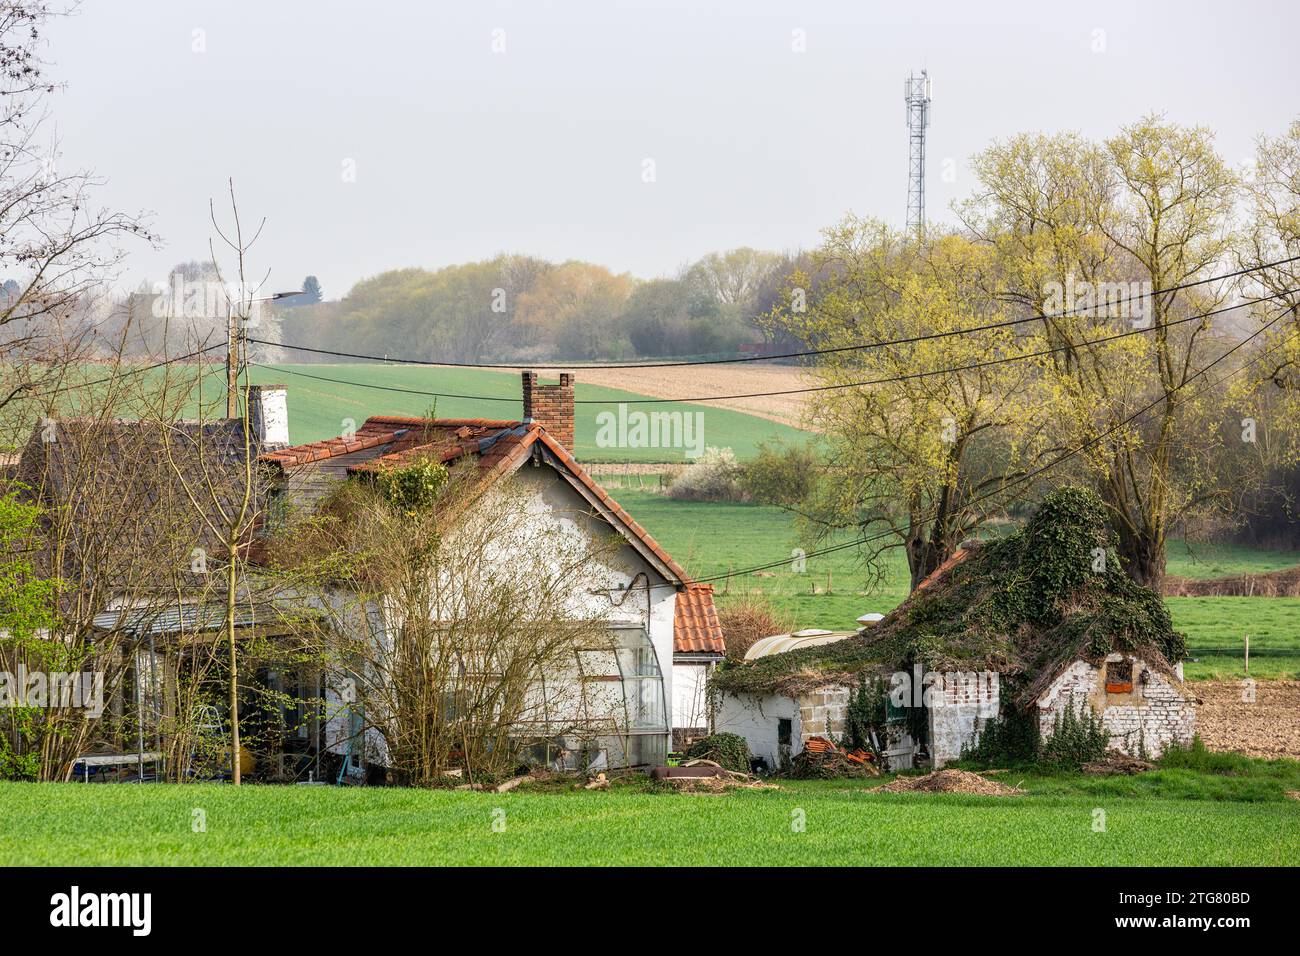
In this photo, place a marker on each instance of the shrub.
(750, 619)
(1008, 740)
(866, 712)
(727, 750)
(779, 474)
(1078, 737)
(1012, 740)
(714, 477)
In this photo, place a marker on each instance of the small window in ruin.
(784, 730)
(1119, 677)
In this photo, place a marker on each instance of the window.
(1119, 677)
(784, 730)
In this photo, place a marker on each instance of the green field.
(317, 409)
(711, 538)
(1149, 823)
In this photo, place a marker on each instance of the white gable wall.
(553, 508)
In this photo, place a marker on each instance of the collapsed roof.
(1025, 606)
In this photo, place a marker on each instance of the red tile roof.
(367, 436)
(695, 622)
(499, 448)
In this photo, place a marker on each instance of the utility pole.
(237, 347)
(233, 342)
(916, 93)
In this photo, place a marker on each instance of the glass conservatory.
(611, 712)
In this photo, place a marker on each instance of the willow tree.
(925, 439)
(1101, 240)
(1274, 214)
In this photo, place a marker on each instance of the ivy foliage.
(730, 751)
(1023, 605)
(1013, 740)
(413, 488)
(866, 712)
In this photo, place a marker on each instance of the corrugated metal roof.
(780, 643)
(173, 619)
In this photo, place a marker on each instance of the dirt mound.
(949, 781)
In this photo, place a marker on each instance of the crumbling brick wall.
(961, 704)
(822, 712)
(1154, 714)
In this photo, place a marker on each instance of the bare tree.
(57, 247)
(116, 537)
(229, 514)
(462, 617)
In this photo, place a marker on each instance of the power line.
(784, 355)
(867, 539)
(810, 389)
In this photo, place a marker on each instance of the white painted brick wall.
(1155, 713)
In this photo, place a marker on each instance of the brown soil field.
(1267, 727)
(1282, 583)
(708, 380)
(703, 381)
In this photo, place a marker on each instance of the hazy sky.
(461, 152)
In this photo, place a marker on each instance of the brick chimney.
(551, 406)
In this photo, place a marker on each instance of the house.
(661, 622)
(131, 516)
(659, 616)
(1023, 628)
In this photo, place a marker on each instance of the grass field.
(712, 538)
(317, 408)
(1170, 818)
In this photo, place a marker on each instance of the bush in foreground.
(727, 750)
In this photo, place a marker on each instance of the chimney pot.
(268, 415)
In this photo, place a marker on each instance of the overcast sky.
(460, 151)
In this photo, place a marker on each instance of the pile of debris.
(820, 759)
(949, 781)
(1115, 763)
(707, 776)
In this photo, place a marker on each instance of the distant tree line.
(521, 308)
